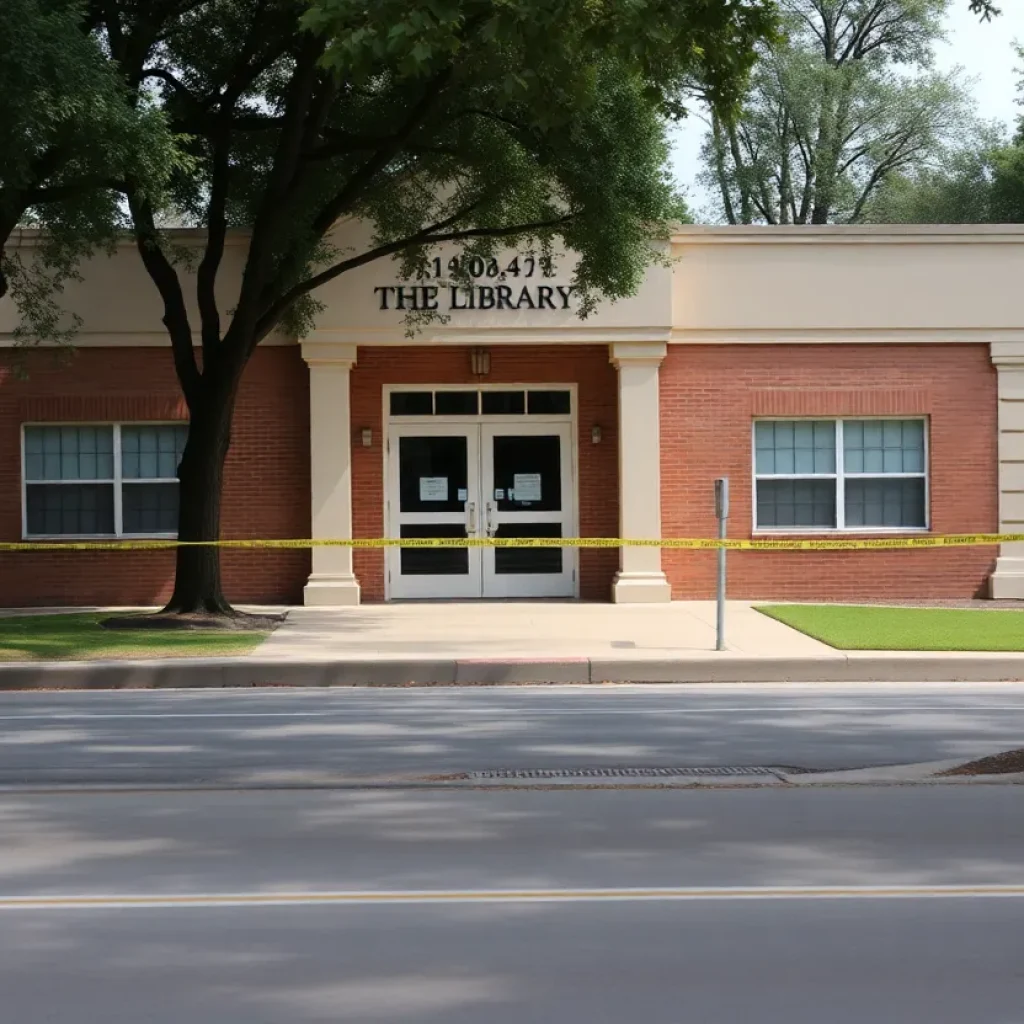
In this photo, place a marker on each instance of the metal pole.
(720, 617)
(722, 512)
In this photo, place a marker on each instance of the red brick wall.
(266, 482)
(709, 396)
(586, 366)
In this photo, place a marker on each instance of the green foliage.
(981, 182)
(1007, 203)
(519, 122)
(72, 132)
(982, 185)
(846, 102)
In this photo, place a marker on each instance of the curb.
(215, 673)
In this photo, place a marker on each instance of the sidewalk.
(550, 642)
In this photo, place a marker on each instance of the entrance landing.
(535, 631)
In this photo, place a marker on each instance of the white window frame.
(117, 482)
(840, 476)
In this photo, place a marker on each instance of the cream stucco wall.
(119, 304)
(724, 284)
(117, 301)
(870, 283)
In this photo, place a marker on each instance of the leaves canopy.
(978, 183)
(466, 120)
(70, 129)
(847, 100)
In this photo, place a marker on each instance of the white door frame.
(395, 426)
(503, 585)
(441, 587)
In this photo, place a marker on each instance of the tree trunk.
(197, 578)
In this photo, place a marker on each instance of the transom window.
(106, 480)
(840, 475)
(513, 402)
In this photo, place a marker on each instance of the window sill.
(866, 531)
(98, 538)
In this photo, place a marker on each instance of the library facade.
(852, 382)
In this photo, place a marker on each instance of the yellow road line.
(376, 898)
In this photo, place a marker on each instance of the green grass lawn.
(80, 636)
(873, 628)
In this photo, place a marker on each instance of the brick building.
(860, 382)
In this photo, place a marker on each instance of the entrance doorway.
(496, 470)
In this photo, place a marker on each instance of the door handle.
(492, 529)
(471, 517)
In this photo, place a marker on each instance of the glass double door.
(481, 480)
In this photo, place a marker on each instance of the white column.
(332, 581)
(1008, 356)
(639, 579)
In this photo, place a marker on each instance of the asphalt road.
(241, 737)
(801, 906)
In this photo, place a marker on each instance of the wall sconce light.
(367, 437)
(595, 433)
(480, 361)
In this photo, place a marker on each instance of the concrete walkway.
(535, 630)
(528, 642)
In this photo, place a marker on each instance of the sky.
(983, 49)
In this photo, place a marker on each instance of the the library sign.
(516, 285)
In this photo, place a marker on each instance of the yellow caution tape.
(961, 540)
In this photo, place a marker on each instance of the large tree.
(69, 129)
(978, 183)
(482, 122)
(845, 100)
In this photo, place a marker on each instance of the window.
(104, 480)
(460, 402)
(840, 475)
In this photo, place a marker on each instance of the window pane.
(527, 473)
(548, 403)
(503, 403)
(804, 461)
(824, 447)
(893, 503)
(884, 446)
(70, 509)
(764, 444)
(152, 452)
(412, 403)
(149, 508)
(524, 561)
(69, 453)
(456, 403)
(796, 503)
(802, 447)
(434, 561)
(433, 473)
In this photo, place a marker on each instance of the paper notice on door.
(527, 486)
(463, 494)
(433, 488)
(499, 494)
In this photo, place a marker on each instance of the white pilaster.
(639, 579)
(332, 581)
(1008, 356)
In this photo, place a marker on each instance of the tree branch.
(387, 152)
(216, 234)
(280, 182)
(433, 235)
(165, 277)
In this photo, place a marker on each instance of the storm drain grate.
(619, 773)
